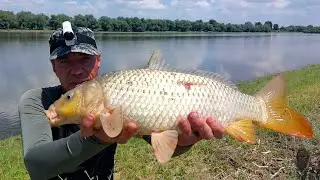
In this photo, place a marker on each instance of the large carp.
(156, 96)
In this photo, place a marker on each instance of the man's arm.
(43, 157)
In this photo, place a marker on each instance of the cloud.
(191, 3)
(71, 2)
(271, 3)
(279, 3)
(143, 4)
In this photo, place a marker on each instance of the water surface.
(243, 56)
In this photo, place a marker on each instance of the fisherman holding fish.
(82, 151)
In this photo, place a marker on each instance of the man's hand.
(195, 129)
(86, 127)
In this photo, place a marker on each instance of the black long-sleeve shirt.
(61, 152)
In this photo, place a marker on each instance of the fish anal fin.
(112, 122)
(242, 130)
(281, 117)
(164, 144)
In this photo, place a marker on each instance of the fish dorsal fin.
(157, 62)
(212, 75)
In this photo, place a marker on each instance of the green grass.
(11, 163)
(275, 155)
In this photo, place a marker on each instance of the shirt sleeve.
(43, 157)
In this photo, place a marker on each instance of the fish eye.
(69, 96)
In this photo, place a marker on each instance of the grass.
(11, 164)
(275, 156)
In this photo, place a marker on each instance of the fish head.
(68, 104)
(71, 107)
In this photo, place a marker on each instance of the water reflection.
(25, 65)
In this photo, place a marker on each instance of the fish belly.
(155, 100)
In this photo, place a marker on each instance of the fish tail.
(279, 116)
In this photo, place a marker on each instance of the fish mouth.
(52, 116)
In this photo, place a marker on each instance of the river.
(242, 56)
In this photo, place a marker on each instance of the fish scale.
(167, 98)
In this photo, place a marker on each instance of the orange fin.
(242, 130)
(164, 144)
(281, 117)
(112, 123)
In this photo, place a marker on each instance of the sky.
(282, 12)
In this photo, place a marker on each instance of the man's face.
(75, 68)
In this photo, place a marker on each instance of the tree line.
(27, 20)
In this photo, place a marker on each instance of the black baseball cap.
(84, 42)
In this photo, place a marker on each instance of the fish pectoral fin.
(164, 144)
(112, 123)
(242, 130)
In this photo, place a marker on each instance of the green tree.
(171, 25)
(258, 24)
(268, 23)
(57, 20)
(183, 25)
(137, 25)
(7, 20)
(24, 20)
(248, 27)
(92, 22)
(208, 27)
(105, 23)
(28, 20)
(80, 20)
(39, 21)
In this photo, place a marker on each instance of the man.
(70, 151)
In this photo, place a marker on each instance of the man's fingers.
(87, 122)
(194, 121)
(123, 137)
(185, 127)
(193, 116)
(185, 140)
(199, 126)
(202, 128)
(86, 126)
(126, 133)
(216, 128)
(129, 130)
(205, 131)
